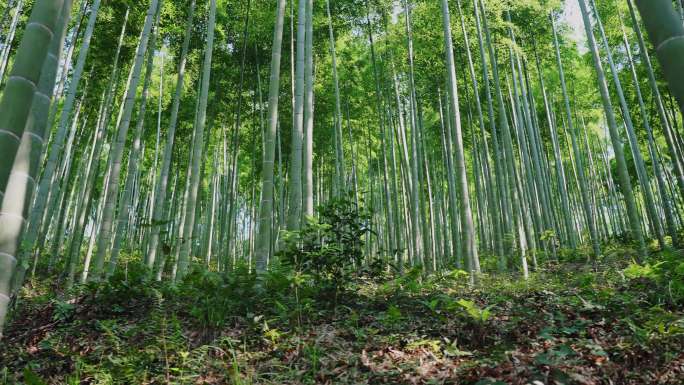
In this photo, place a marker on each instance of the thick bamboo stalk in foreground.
(667, 35)
(15, 108)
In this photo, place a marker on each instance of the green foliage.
(474, 311)
(667, 273)
(63, 310)
(548, 235)
(276, 328)
(554, 356)
(329, 248)
(216, 297)
(635, 271)
(31, 378)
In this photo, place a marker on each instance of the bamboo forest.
(475, 192)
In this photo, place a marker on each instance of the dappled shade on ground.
(570, 324)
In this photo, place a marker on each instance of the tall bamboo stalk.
(159, 212)
(584, 190)
(308, 113)
(337, 127)
(184, 259)
(469, 242)
(104, 236)
(15, 108)
(127, 204)
(623, 175)
(295, 169)
(265, 219)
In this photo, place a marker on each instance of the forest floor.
(614, 323)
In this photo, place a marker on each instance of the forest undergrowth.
(617, 322)
(354, 192)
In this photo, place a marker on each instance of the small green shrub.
(635, 270)
(475, 312)
(329, 248)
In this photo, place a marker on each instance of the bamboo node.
(667, 41)
(42, 26)
(21, 78)
(10, 133)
